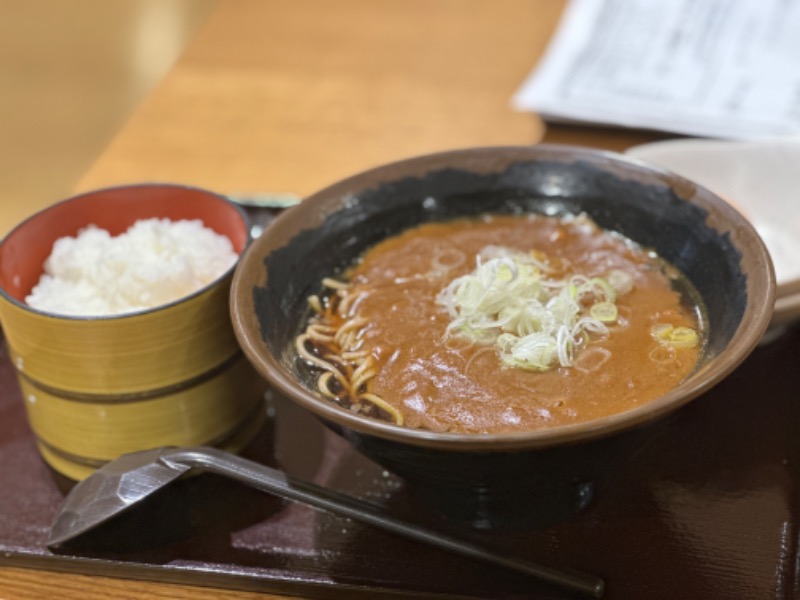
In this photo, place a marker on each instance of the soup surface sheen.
(439, 381)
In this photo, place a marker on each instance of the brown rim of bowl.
(488, 159)
(245, 222)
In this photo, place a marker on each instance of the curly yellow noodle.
(323, 385)
(315, 304)
(347, 303)
(348, 332)
(335, 284)
(396, 415)
(300, 346)
(343, 360)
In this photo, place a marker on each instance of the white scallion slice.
(675, 337)
(605, 312)
(621, 281)
(537, 320)
(684, 337)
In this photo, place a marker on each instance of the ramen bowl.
(98, 387)
(705, 238)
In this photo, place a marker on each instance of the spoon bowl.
(129, 480)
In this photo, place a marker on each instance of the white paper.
(715, 68)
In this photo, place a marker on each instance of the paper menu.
(714, 68)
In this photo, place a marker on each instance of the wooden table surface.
(277, 96)
(283, 96)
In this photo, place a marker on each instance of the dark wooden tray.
(704, 505)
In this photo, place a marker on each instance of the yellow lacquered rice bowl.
(98, 387)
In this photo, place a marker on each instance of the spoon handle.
(276, 482)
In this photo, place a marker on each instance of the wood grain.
(29, 584)
(285, 96)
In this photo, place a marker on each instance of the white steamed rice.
(155, 262)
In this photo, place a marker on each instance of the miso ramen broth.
(502, 324)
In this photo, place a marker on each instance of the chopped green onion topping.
(538, 322)
(620, 280)
(605, 312)
(675, 337)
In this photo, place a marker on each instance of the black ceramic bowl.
(711, 243)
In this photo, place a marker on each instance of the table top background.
(276, 97)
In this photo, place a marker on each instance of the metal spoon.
(128, 480)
